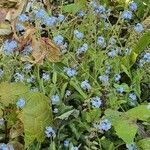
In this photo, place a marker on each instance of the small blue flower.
(133, 99)
(55, 99)
(133, 6)
(9, 47)
(68, 93)
(23, 18)
(128, 51)
(131, 146)
(41, 14)
(46, 76)
(96, 102)
(27, 50)
(85, 85)
(112, 53)
(4, 146)
(66, 143)
(20, 103)
(104, 125)
(55, 111)
(93, 4)
(99, 9)
(117, 77)
(50, 132)
(104, 79)
(139, 28)
(101, 41)
(61, 18)
(50, 21)
(79, 35)
(27, 67)
(19, 27)
(74, 148)
(127, 15)
(18, 77)
(58, 40)
(146, 57)
(31, 79)
(71, 72)
(120, 90)
(1, 72)
(81, 13)
(82, 49)
(2, 121)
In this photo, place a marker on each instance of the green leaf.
(36, 115)
(125, 69)
(67, 114)
(126, 130)
(124, 127)
(9, 92)
(144, 144)
(140, 112)
(75, 7)
(52, 146)
(139, 47)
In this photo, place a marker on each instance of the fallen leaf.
(5, 29)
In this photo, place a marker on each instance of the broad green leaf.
(126, 130)
(75, 7)
(140, 112)
(144, 144)
(9, 92)
(36, 115)
(67, 114)
(139, 47)
(78, 88)
(124, 127)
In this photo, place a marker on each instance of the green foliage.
(10, 92)
(35, 116)
(144, 144)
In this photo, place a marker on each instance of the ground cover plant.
(74, 75)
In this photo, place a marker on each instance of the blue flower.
(104, 125)
(117, 77)
(131, 146)
(120, 90)
(127, 15)
(20, 103)
(18, 77)
(61, 18)
(4, 146)
(55, 99)
(139, 28)
(104, 79)
(133, 99)
(74, 148)
(31, 79)
(23, 18)
(133, 6)
(99, 9)
(58, 40)
(50, 21)
(2, 121)
(112, 53)
(55, 111)
(81, 13)
(27, 67)
(45, 76)
(146, 57)
(101, 41)
(9, 47)
(128, 51)
(19, 27)
(85, 85)
(27, 50)
(66, 143)
(1, 72)
(41, 14)
(82, 49)
(79, 35)
(96, 102)
(68, 93)
(50, 132)
(71, 72)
